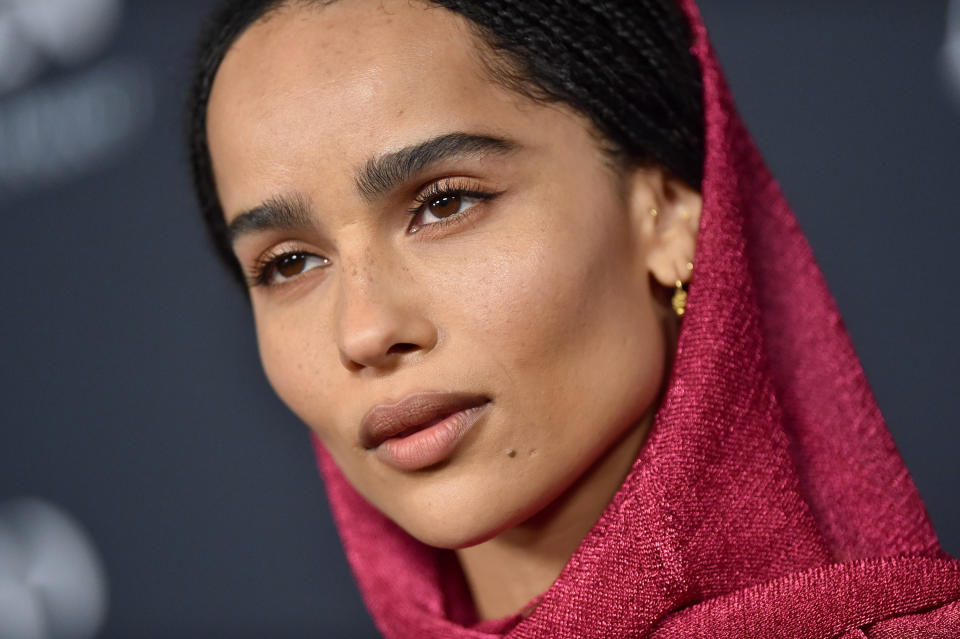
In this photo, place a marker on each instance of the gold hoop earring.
(679, 300)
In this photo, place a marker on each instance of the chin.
(454, 520)
(454, 539)
(455, 528)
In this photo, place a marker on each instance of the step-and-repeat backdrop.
(148, 474)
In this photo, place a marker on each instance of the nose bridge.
(380, 316)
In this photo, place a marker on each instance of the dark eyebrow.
(290, 212)
(378, 176)
(383, 174)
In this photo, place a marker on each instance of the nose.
(382, 321)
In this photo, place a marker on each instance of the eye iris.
(291, 265)
(445, 206)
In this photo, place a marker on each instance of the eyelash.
(449, 188)
(267, 264)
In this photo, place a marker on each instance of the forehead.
(324, 88)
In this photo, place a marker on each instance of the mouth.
(422, 429)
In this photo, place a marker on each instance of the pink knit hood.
(769, 499)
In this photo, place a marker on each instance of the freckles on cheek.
(524, 302)
(294, 366)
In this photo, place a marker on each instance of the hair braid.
(625, 64)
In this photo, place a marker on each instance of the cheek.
(298, 358)
(563, 320)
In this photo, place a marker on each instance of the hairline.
(500, 66)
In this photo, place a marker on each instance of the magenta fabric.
(769, 499)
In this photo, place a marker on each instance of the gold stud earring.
(679, 300)
(653, 212)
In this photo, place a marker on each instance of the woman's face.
(426, 230)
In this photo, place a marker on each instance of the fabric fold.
(769, 499)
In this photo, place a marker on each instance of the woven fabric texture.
(769, 499)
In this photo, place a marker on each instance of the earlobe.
(667, 212)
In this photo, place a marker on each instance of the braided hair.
(624, 64)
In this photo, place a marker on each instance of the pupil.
(291, 265)
(445, 206)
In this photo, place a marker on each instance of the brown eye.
(286, 267)
(437, 208)
(292, 264)
(445, 206)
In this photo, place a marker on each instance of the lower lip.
(431, 445)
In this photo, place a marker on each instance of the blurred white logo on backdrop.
(951, 50)
(35, 33)
(58, 125)
(52, 583)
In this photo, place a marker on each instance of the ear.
(666, 216)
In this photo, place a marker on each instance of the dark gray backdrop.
(130, 391)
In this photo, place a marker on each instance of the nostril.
(402, 348)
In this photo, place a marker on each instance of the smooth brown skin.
(540, 299)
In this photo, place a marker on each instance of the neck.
(508, 571)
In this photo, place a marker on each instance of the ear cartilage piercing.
(653, 212)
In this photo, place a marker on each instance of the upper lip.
(384, 421)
